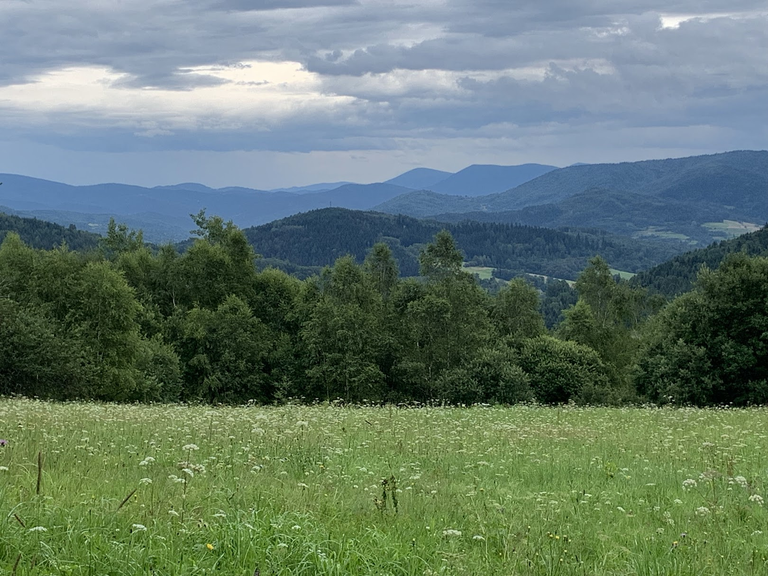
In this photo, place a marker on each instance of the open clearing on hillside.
(381, 491)
(731, 228)
(483, 272)
(658, 232)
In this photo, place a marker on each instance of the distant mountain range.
(684, 199)
(163, 211)
(693, 200)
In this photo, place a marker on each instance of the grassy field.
(177, 490)
(483, 272)
(731, 228)
(623, 274)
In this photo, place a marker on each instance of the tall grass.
(294, 490)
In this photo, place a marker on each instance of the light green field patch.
(658, 232)
(622, 274)
(331, 490)
(548, 278)
(484, 272)
(731, 228)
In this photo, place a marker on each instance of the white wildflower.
(757, 499)
(741, 481)
(138, 528)
(478, 537)
(38, 529)
(190, 447)
(702, 511)
(147, 461)
(145, 481)
(3, 468)
(450, 533)
(188, 472)
(689, 484)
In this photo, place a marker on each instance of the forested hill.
(678, 275)
(319, 237)
(684, 198)
(45, 235)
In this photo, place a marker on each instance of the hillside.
(683, 198)
(45, 235)
(482, 179)
(677, 275)
(625, 213)
(317, 238)
(419, 178)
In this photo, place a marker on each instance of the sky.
(271, 93)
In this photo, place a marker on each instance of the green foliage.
(88, 302)
(441, 259)
(607, 318)
(343, 335)
(558, 296)
(492, 376)
(160, 370)
(224, 352)
(120, 239)
(381, 267)
(134, 323)
(710, 346)
(515, 311)
(560, 371)
(37, 357)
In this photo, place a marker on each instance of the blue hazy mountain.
(419, 178)
(312, 188)
(89, 206)
(483, 179)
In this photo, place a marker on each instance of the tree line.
(128, 322)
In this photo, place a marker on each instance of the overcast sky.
(268, 93)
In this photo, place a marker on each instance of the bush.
(560, 371)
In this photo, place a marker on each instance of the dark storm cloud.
(494, 62)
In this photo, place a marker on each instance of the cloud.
(335, 75)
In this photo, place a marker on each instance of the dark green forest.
(42, 234)
(129, 322)
(679, 274)
(319, 237)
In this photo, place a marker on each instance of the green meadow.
(171, 489)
